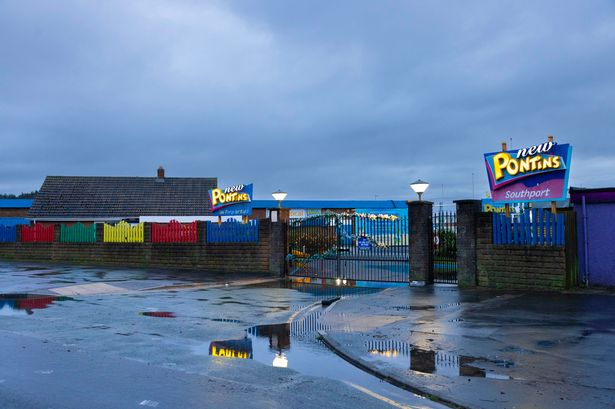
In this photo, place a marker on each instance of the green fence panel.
(78, 233)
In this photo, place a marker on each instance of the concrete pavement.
(484, 349)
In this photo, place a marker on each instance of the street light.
(279, 196)
(419, 187)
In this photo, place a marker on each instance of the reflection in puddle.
(405, 356)
(234, 348)
(426, 307)
(13, 304)
(296, 346)
(158, 314)
(279, 340)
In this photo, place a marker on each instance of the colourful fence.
(8, 234)
(78, 233)
(537, 227)
(37, 234)
(123, 233)
(174, 232)
(232, 232)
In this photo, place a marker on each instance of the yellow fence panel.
(123, 233)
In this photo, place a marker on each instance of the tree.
(22, 195)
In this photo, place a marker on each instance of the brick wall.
(13, 212)
(518, 267)
(209, 257)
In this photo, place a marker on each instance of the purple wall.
(600, 243)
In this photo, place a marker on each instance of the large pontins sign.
(535, 174)
(231, 201)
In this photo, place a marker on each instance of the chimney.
(161, 173)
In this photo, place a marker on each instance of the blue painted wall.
(599, 259)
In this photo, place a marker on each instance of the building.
(296, 209)
(111, 199)
(595, 214)
(14, 211)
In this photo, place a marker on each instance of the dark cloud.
(326, 100)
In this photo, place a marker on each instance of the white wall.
(184, 219)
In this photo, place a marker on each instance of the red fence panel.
(37, 234)
(174, 232)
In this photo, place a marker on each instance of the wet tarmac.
(251, 330)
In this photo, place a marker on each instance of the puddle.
(231, 302)
(97, 326)
(15, 304)
(414, 308)
(229, 320)
(33, 268)
(426, 307)
(405, 356)
(158, 314)
(45, 274)
(296, 345)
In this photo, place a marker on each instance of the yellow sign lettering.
(500, 161)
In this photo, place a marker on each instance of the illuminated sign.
(235, 348)
(535, 174)
(232, 201)
(490, 207)
(297, 213)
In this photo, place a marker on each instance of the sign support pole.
(553, 203)
(507, 205)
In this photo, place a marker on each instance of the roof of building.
(100, 197)
(594, 195)
(15, 203)
(12, 221)
(331, 204)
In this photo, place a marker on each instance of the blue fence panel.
(232, 232)
(495, 221)
(536, 228)
(8, 234)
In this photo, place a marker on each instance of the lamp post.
(419, 187)
(279, 196)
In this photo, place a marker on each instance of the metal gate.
(349, 248)
(445, 247)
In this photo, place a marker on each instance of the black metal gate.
(445, 247)
(349, 248)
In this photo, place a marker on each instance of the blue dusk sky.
(326, 100)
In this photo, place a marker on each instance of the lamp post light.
(419, 187)
(279, 196)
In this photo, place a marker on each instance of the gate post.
(277, 247)
(467, 211)
(420, 242)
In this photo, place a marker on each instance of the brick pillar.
(56, 232)
(420, 241)
(147, 232)
(100, 232)
(467, 212)
(201, 232)
(277, 248)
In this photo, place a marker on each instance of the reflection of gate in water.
(349, 247)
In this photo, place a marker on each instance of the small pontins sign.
(231, 201)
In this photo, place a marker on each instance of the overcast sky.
(348, 99)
